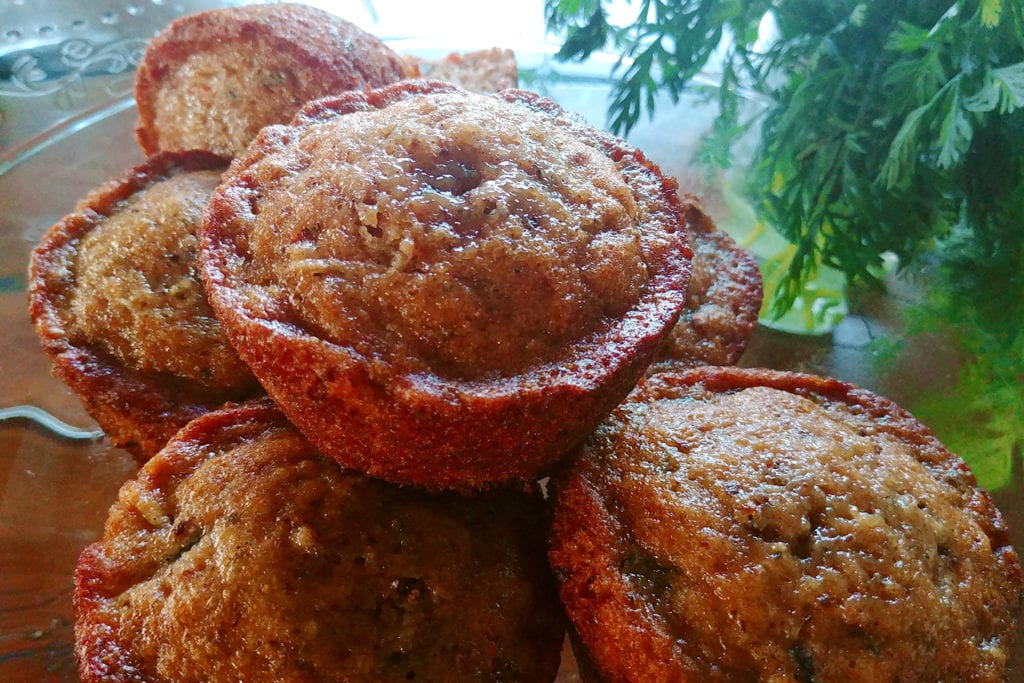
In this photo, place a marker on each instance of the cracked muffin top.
(240, 553)
(120, 307)
(729, 524)
(453, 253)
(212, 79)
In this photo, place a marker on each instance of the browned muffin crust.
(480, 71)
(239, 553)
(212, 79)
(441, 288)
(730, 524)
(723, 299)
(118, 305)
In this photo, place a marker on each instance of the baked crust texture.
(212, 79)
(723, 299)
(240, 553)
(120, 309)
(482, 71)
(745, 524)
(441, 288)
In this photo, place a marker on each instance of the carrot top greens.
(889, 129)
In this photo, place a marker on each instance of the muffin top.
(483, 71)
(442, 288)
(240, 553)
(137, 294)
(781, 527)
(119, 307)
(723, 299)
(210, 80)
(449, 233)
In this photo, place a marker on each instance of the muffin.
(442, 288)
(120, 309)
(723, 299)
(729, 524)
(240, 553)
(212, 79)
(481, 71)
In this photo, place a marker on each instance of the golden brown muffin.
(239, 553)
(211, 80)
(441, 288)
(723, 299)
(481, 71)
(120, 309)
(727, 524)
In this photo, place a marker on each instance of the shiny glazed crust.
(138, 410)
(722, 301)
(627, 592)
(239, 553)
(314, 53)
(417, 427)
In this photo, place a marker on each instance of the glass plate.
(66, 126)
